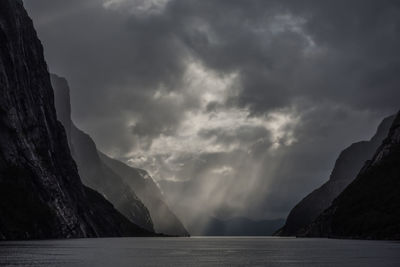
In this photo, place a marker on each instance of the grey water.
(193, 252)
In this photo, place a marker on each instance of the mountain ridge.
(139, 199)
(369, 208)
(164, 219)
(346, 168)
(93, 172)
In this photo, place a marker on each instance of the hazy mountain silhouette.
(165, 221)
(238, 226)
(93, 172)
(132, 191)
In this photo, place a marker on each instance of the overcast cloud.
(237, 107)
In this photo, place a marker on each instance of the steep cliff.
(369, 208)
(94, 173)
(41, 194)
(346, 168)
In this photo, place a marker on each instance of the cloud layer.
(236, 107)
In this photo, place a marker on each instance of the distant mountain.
(94, 173)
(132, 191)
(41, 194)
(239, 226)
(165, 221)
(346, 168)
(369, 208)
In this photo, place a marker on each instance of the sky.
(235, 107)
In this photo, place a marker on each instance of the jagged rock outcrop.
(41, 194)
(94, 173)
(346, 168)
(165, 221)
(369, 208)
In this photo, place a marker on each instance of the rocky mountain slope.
(369, 208)
(132, 191)
(94, 173)
(346, 168)
(41, 194)
(165, 221)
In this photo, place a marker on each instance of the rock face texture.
(132, 191)
(94, 173)
(41, 194)
(369, 208)
(346, 168)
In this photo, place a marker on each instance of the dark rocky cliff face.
(346, 168)
(94, 173)
(62, 103)
(41, 194)
(369, 208)
(165, 221)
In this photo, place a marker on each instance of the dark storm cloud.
(104, 55)
(333, 65)
(355, 44)
(356, 48)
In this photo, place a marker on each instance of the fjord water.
(231, 251)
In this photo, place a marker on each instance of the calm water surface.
(195, 252)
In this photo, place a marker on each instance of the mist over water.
(200, 252)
